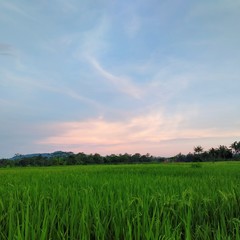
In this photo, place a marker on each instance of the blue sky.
(109, 76)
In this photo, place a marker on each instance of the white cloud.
(150, 132)
(123, 84)
(93, 41)
(152, 127)
(46, 84)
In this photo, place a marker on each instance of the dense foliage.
(155, 201)
(79, 159)
(222, 153)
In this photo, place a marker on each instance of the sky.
(115, 77)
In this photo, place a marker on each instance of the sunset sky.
(110, 76)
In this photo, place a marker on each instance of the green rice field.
(142, 201)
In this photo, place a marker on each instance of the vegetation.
(222, 153)
(153, 201)
(236, 147)
(77, 159)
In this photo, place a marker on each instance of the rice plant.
(155, 201)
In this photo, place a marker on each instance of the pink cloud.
(153, 133)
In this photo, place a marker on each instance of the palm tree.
(198, 149)
(224, 152)
(236, 147)
(213, 152)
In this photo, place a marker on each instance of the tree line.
(79, 159)
(222, 153)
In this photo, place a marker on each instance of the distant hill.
(45, 155)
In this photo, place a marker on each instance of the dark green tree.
(198, 149)
(224, 152)
(235, 147)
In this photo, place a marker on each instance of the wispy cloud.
(46, 84)
(147, 133)
(15, 8)
(8, 50)
(162, 81)
(156, 71)
(103, 132)
(123, 84)
(93, 41)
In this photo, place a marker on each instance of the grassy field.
(154, 201)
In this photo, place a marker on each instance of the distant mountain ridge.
(45, 155)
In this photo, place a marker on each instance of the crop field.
(151, 201)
